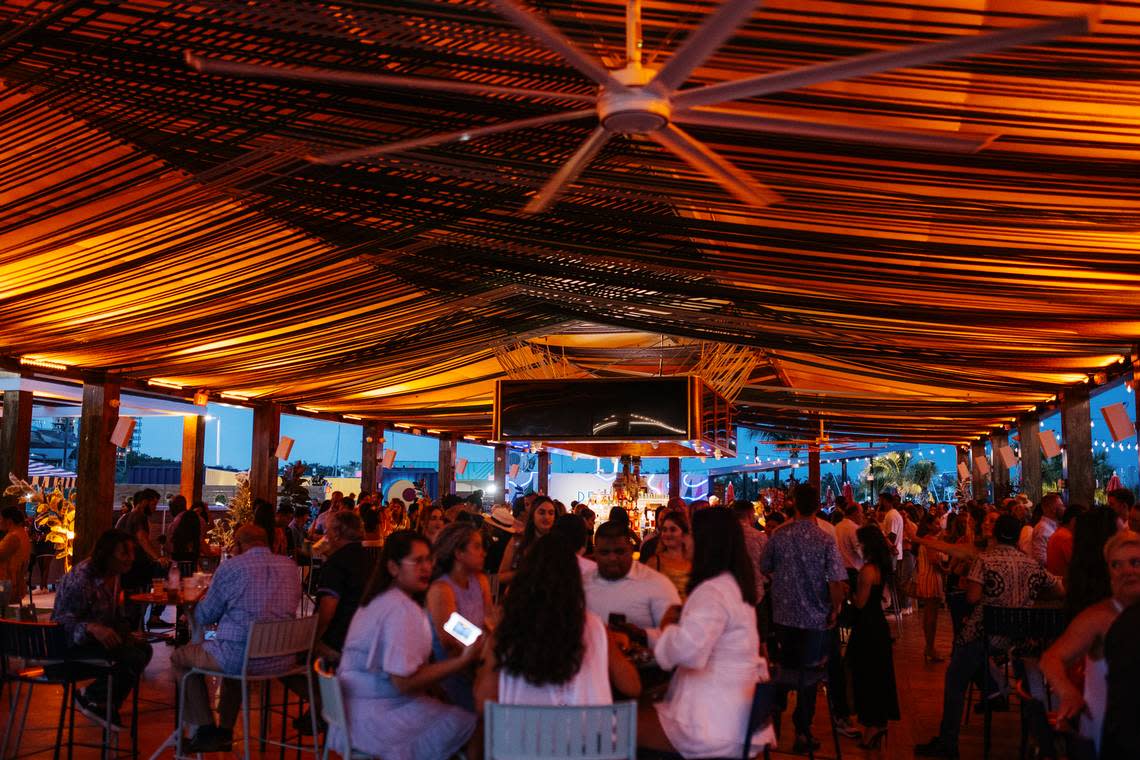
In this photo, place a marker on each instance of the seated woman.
(549, 649)
(430, 521)
(458, 585)
(714, 647)
(385, 669)
(1085, 638)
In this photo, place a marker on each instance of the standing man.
(754, 540)
(894, 528)
(1052, 507)
(1121, 501)
(850, 550)
(254, 586)
(808, 588)
(149, 562)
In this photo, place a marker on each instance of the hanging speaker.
(982, 465)
(963, 471)
(389, 458)
(1049, 445)
(284, 447)
(1119, 423)
(460, 466)
(124, 429)
(1008, 458)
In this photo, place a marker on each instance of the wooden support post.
(999, 472)
(1135, 390)
(980, 481)
(448, 451)
(263, 467)
(499, 494)
(814, 467)
(95, 484)
(674, 477)
(1028, 435)
(842, 472)
(193, 457)
(543, 486)
(371, 457)
(15, 436)
(1076, 429)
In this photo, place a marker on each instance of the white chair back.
(519, 732)
(332, 706)
(280, 638)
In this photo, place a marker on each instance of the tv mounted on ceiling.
(594, 410)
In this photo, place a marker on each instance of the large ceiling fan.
(639, 100)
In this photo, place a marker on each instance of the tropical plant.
(55, 515)
(902, 472)
(294, 484)
(239, 510)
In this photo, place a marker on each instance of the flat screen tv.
(635, 409)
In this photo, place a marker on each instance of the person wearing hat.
(1001, 576)
(502, 527)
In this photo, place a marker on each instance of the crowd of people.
(686, 619)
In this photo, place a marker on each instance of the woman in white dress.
(715, 648)
(548, 649)
(1084, 638)
(385, 667)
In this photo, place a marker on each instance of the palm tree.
(901, 471)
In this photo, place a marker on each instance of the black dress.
(872, 665)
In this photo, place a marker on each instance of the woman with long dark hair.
(714, 647)
(458, 585)
(869, 655)
(539, 521)
(385, 667)
(265, 517)
(548, 649)
(672, 556)
(1087, 581)
(186, 536)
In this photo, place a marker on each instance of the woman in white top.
(385, 669)
(714, 647)
(548, 649)
(1085, 638)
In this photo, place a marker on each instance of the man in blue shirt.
(808, 588)
(254, 586)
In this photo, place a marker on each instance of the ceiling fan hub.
(635, 110)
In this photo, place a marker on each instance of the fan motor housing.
(633, 111)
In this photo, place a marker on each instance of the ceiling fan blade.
(332, 76)
(569, 171)
(873, 63)
(537, 27)
(464, 135)
(703, 42)
(946, 141)
(701, 157)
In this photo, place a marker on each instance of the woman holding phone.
(386, 666)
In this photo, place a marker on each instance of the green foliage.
(902, 472)
(294, 485)
(239, 510)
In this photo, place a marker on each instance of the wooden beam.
(674, 477)
(980, 482)
(543, 486)
(501, 459)
(193, 457)
(263, 477)
(95, 484)
(1076, 429)
(448, 452)
(1028, 434)
(15, 436)
(999, 473)
(371, 457)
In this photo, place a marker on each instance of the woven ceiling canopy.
(161, 223)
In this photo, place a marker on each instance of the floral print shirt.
(83, 598)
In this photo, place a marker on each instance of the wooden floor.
(920, 694)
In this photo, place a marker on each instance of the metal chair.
(333, 712)
(267, 639)
(42, 649)
(1041, 625)
(519, 732)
